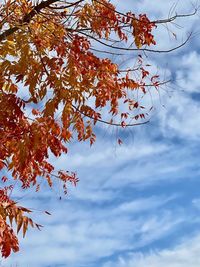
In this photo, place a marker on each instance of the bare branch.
(136, 49)
(109, 122)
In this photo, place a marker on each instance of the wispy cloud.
(132, 198)
(183, 255)
(84, 235)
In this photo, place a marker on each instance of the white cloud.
(181, 117)
(142, 205)
(83, 235)
(188, 78)
(99, 219)
(196, 203)
(183, 255)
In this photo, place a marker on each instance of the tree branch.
(109, 122)
(27, 18)
(136, 49)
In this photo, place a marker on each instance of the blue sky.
(138, 204)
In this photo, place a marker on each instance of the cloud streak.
(134, 203)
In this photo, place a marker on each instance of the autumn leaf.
(119, 141)
(55, 87)
(2, 164)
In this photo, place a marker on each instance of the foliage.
(48, 60)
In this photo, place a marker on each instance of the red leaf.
(2, 164)
(123, 124)
(120, 142)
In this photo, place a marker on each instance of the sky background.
(138, 204)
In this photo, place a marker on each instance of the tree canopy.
(56, 80)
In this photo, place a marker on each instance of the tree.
(48, 59)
